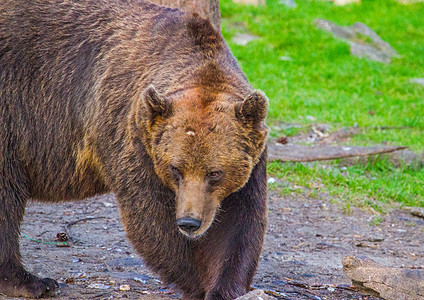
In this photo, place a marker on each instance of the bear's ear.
(253, 109)
(155, 104)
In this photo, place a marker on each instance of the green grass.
(325, 81)
(357, 185)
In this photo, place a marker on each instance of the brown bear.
(144, 101)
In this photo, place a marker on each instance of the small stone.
(366, 245)
(376, 239)
(417, 80)
(251, 2)
(271, 180)
(81, 275)
(256, 295)
(345, 2)
(243, 39)
(323, 246)
(99, 286)
(124, 287)
(288, 3)
(137, 279)
(107, 204)
(70, 280)
(285, 58)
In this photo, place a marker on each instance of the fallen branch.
(302, 153)
(388, 283)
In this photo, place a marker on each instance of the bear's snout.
(189, 225)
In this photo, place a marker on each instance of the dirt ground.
(305, 242)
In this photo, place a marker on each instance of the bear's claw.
(29, 286)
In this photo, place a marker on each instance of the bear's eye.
(214, 176)
(176, 174)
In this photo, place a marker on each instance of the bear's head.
(204, 146)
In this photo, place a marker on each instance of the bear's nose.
(189, 224)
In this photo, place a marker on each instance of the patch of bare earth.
(305, 242)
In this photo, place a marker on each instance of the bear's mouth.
(195, 234)
(191, 236)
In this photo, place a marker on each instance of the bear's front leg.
(15, 281)
(230, 251)
(238, 261)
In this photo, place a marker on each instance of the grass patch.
(358, 184)
(325, 81)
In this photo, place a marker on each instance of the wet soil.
(305, 242)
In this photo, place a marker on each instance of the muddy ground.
(305, 242)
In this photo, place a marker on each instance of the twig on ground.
(68, 226)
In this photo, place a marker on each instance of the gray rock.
(366, 51)
(288, 3)
(417, 80)
(243, 39)
(337, 31)
(377, 41)
(374, 49)
(256, 295)
(377, 238)
(285, 58)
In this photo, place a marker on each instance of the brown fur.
(143, 101)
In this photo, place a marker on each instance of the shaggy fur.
(144, 101)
